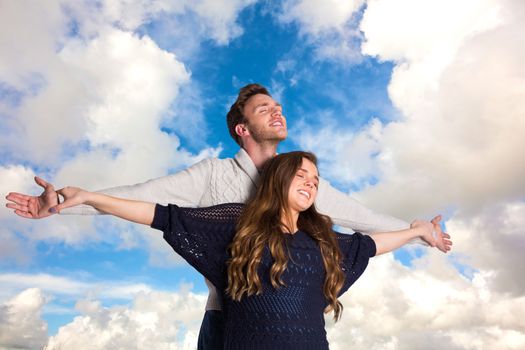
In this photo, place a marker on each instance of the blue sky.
(402, 103)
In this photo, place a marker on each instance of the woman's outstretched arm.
(136, 211)
(389, 241)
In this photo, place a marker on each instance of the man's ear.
(241, 130)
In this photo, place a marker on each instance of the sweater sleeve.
(200, 235)
(349, 213)
(356, 249)
(184, 188)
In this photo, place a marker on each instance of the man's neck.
(260, 153)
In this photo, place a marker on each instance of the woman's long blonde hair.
(260, 225)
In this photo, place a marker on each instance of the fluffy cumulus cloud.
(220, 17)
(329, 26)
(90, 109)
(457, 83)
(217, 20)
(316, 17)
(84, 94)
(493, 241)
(390, 307)
(459, 96)
(21, 325)
(354, 153)
(99, 91)
(426, 307)
(155, 320)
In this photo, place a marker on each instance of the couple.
(256, 123)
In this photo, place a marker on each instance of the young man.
(256, 123)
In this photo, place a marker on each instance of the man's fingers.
(23, 214)
(18, 198)
(45, 185)
(40, 182)
(15, 206)
(436, 219)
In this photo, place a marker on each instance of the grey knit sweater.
(215, 181)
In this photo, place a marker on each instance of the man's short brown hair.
(235, 115)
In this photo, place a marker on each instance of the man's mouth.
(277, 123)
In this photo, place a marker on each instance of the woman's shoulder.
(356, 243)
(217, 213)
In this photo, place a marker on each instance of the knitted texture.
(290, 317)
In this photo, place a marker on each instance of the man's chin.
(281, 136)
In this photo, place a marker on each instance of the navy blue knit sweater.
(290, 317)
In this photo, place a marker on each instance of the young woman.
(277, 260)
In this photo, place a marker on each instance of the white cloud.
(92, 112)
(155, 320)
(390, 307)
(220, 17)
(132, 84)
(101, 78)
(72, 287)
(393, 307)
(18, 66)
(215, 20)
(493, 240)
(348, 157)
(410, 30)
(460, 123)
(457, 82)
(328, 26)
(21, 326)
(459, 94)
(316, 16)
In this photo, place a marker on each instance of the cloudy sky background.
(415, 107)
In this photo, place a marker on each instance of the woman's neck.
(289, 221)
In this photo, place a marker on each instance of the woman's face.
(303, 188)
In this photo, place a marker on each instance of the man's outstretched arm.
(349, 213)
(184, 188)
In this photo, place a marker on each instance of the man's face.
(264, 119)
